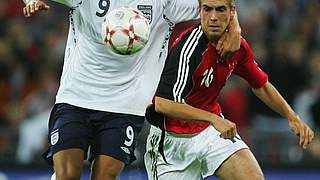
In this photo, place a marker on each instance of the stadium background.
(284, 34)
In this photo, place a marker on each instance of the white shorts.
(189, 156)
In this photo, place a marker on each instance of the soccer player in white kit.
(102, 96)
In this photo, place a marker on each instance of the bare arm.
(187, 112)
(273, 99)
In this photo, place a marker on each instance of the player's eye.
(206, 8)
(221, 9)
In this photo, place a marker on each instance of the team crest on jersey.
(54, 138)
(147, 11)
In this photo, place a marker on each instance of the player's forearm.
(183, 111)
(273, 99)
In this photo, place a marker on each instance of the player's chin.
(214, 35)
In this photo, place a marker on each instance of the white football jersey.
(96, 78)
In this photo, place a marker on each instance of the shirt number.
(104, 7)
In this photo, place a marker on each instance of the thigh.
(192, 172)
(68, 129)
(241, 165)
(215, 150)
(180, 153)
(115, 135)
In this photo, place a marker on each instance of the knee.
(67, 177)
(247, 176)
(106, 167)
(257, 175)
(250, 174)
(106, 175)
(68, 174)
(112, 176)
(68, 164)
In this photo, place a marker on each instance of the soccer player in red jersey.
(196, 141)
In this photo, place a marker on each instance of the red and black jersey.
(193, 75)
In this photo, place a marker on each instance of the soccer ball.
(125, 30)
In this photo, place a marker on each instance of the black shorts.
(106, 133)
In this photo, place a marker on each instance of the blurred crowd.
(285, 38)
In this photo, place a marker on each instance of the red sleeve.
(248, 69)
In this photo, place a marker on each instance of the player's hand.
(227, 128)
(301, 129)
(33, 6)
(230, 41)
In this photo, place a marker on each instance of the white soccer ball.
(125, 30)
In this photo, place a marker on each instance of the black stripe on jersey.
(71, 19)
(183, 70)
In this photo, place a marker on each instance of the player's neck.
(214, 40)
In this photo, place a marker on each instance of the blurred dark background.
(284, 35)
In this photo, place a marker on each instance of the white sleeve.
(69, 3)
(182, 10)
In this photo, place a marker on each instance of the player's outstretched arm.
(32, 6)
(272, 98)
(186, 112)
(230, 41)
